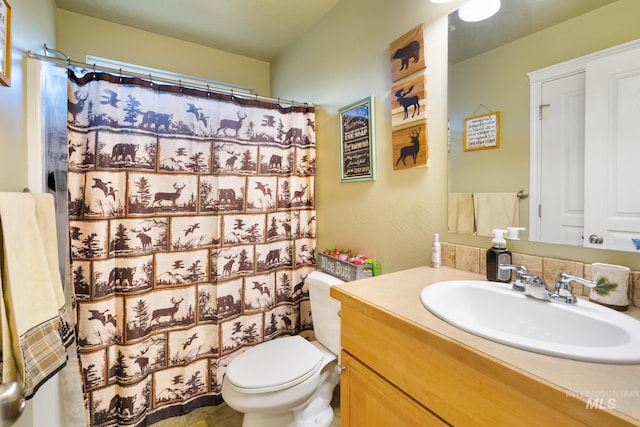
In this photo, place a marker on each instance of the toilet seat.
(274, 365)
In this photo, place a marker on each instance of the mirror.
(488, 66)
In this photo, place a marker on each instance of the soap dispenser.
(498, 254)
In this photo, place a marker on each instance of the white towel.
(495, 210)
(460, 216)
(35, 327)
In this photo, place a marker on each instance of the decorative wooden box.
(343, 270)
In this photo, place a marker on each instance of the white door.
(561, 113)
(612, 152)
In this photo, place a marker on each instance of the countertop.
(398, 293)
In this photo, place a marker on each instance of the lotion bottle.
(436, 252)
(498, 254)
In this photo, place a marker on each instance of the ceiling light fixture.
(479, 10)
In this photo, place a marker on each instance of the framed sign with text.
(356, 144)
(482, 132)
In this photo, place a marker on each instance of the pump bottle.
(498, 254)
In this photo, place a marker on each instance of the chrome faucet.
(534, 286)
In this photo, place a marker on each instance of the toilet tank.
(325, 311)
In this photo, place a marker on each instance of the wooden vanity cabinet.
(399, 373)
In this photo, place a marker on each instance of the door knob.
(594, 239)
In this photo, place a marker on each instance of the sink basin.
(584, 331)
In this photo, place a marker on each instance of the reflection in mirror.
(488, 66)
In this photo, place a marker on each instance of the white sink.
(583, 331)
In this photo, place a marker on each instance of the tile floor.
(223, 416)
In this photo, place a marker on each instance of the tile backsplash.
(473, 259)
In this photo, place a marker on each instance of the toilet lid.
(275, 364)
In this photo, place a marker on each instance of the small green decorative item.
(375, 267)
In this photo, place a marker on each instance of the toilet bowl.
(289, 381)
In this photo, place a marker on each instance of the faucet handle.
(564, 280)
(564, 289)
(520, 269)
(522, 276)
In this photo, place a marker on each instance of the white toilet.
(289, 382)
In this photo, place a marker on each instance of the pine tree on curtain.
(192, 226)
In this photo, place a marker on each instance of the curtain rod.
(212, 88)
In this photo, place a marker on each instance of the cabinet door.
(368, 400)
(612, 152)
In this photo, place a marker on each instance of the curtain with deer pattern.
(192, 229)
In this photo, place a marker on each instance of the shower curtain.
(192, 229)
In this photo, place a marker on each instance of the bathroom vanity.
(406, 367)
